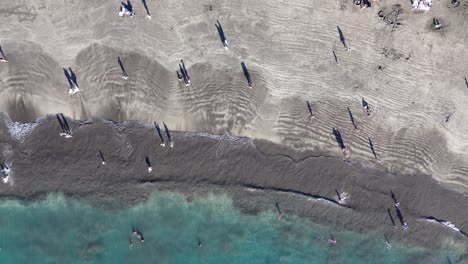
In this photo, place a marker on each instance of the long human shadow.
(167, 132)
(63, 123)
(220, 31)
(4, 57)
(391, 217)
(278, 208)
(148, 163)
(309, 107)
(124, 72)
(371, 145)
(184, 72)
(400, 217)
(102, 157)
(246, 74)
(394, 198)
(146, 7)
(352, 118)
(67, 127)
(336, 58)
(338, 138)
(466, 80)
(158, 130)
(62, 126)
(73, 77)
(67, 75)
(342, 37)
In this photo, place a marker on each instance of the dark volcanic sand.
(255, 173)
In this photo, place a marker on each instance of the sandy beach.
(259, 144)
(418, 98)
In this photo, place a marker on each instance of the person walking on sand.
(122, 68)
(171, 142)
(221, 34)
(366, 106)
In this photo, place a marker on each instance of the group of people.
(168, 134)
(136, 234)
(66, 131)
(183, 75)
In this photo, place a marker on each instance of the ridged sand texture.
(287, 47)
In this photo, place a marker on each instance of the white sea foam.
(20, 130)
(452, 226)
(446, 223)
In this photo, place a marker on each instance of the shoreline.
(255, 173)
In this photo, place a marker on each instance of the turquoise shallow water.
(62, 230)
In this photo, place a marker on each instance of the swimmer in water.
(200, 244)
(332, 240)
(387, 241)
(138, 235)
(130, 242)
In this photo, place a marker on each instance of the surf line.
(446, 223)
(307, 195)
